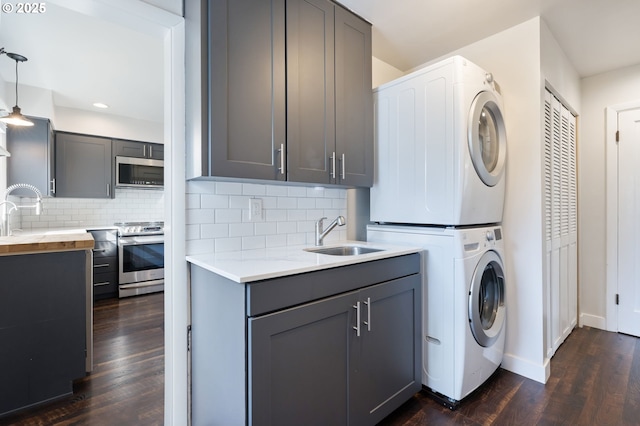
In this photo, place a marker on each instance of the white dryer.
(440, 147)
(464, 310)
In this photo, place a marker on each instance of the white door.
(629, 222)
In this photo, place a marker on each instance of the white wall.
(382, 72)
(598, 92)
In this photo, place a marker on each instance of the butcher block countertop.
(40, 243)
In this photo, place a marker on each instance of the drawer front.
(105, 283)
(104, 264)
(104, 249)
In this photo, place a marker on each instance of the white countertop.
(259, 264)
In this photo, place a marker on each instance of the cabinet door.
(83, 166)
(386, 363)
(129, 149)
(354, 100)
(298, 371)
(138, 149)
(310, 91)
(155, 151)
(246, 88)
(32, 157)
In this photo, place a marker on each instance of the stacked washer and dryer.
(440, 183)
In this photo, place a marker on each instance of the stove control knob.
(490, 236)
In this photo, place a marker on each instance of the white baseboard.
(523, 367)
(593, 321)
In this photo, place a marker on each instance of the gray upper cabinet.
(310, 91)
(354, 100)
(83, 166)
(32, 157)
(329, 97)
(238, 110)
(262, 99)
(135, 149)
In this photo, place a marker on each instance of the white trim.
(526, 368)
(611, 150)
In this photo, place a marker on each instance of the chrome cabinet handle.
(343, 169)
(144, 150)
(150, 151)
(108, 190)
(368, 321)
(102, 265)
(333, 165)
(53, 186)
(100, 284)
(282, 166)
(357, 326)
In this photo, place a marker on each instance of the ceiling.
(83, 60)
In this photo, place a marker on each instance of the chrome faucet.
(7, 216)
(320, 233)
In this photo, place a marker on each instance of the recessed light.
(100, 105)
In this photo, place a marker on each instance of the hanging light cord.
(17, 103)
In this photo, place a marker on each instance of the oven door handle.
(129, 241)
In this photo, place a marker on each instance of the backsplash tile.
(218, 216)
(128, 205)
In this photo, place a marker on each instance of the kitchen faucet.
(6, 218)
(320, 233)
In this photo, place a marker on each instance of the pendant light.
(15, 118)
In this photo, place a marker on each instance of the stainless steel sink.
(343, 250)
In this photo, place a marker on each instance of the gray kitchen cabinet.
(238, 92)
(329, 96)
(136, 149)
(83, 166)
(105, 263)
(356, 367)
(43, 326)
(258, 113)
(32, 158)
(335, 346)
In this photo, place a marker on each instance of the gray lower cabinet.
(135, 149)
(105, 263)
(317, 361)
(43, 326)
(339, 346)
(83, 166)
(32, 157)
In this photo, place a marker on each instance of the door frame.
(150, 19)
(611, 181)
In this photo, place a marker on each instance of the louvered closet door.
(561, 226)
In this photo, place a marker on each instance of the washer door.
(487, 138)
(486, 299)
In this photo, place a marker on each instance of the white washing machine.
(440, 147)
(463, 325)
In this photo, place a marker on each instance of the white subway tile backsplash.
(128, 205)
(220, 212)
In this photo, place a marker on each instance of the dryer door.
(486, 299)
(486, 137)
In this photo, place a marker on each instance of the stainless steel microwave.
(139, 173)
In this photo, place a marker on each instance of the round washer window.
(486, 299)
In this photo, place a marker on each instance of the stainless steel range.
(140, 258)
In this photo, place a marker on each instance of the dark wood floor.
(126, 386)
(595, 380)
